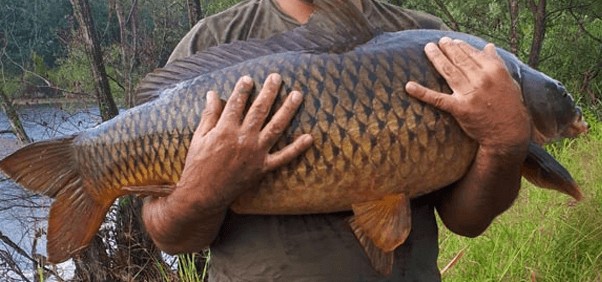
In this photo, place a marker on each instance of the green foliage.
(215, 7)
(10, 85)
(572, 45)
(545, 235)
(187, 271)
(74, 72)
(33, 26)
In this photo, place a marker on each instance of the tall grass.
(545, 236)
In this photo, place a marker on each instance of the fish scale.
(374, 147)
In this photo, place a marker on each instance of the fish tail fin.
(49, 168)
(44, 167)
(74, 219)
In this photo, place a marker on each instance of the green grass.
(545, 236)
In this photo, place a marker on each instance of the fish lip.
(579, 125)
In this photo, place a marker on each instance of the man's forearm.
(177, 224)
(230, 153)
(488, 189)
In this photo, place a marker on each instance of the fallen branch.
(453, 262)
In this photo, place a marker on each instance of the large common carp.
(375, 148)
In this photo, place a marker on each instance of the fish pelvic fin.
(49, 168)
(149, 190)
(381, 226)
(542, 170)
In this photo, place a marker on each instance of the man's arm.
(487, 103)
(189, 219)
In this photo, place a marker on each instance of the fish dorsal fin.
(336, 26)
(381, 226)
(542, 170)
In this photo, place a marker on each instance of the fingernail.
(296, 97)
(246, 83)
(246, 80)
(308, 138)
(410, 86)
(430, 47)
(458, 41)
(445, 39)
(276, 78)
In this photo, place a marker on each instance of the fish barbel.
(375, 148)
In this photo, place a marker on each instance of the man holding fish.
(231, 152)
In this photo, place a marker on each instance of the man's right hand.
(229, 153)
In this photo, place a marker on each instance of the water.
(22, 214)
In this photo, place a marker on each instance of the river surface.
(22, 214)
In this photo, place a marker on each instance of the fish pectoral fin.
(542, 170)
(381, 226)
(150, 190)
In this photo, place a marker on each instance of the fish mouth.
(577, 127)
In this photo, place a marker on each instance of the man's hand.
(232, 150)
(487, 103)
(229, 153)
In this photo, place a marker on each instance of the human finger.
(260, 108)
(456, 51)
(211, 113)
(491, 51)
(443, 65)
(233, 111)
(288, 153)
(437, 99)
(279, 122)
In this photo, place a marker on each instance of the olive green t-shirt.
(308, 247)
(262, 19)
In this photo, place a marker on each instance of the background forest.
(97, 51)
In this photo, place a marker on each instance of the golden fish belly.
(413, 159)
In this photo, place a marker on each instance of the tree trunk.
(94, 264)
(195, 13)
(539, 32)
(128, 32)
(81, 10)
(513, 8)
(13, 118)
(589, 76)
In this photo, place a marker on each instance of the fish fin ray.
(74, 220)
(542, 170)
(48, 167)
(336, 26)
(381, 261)
(44, 167)
(382, 225)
